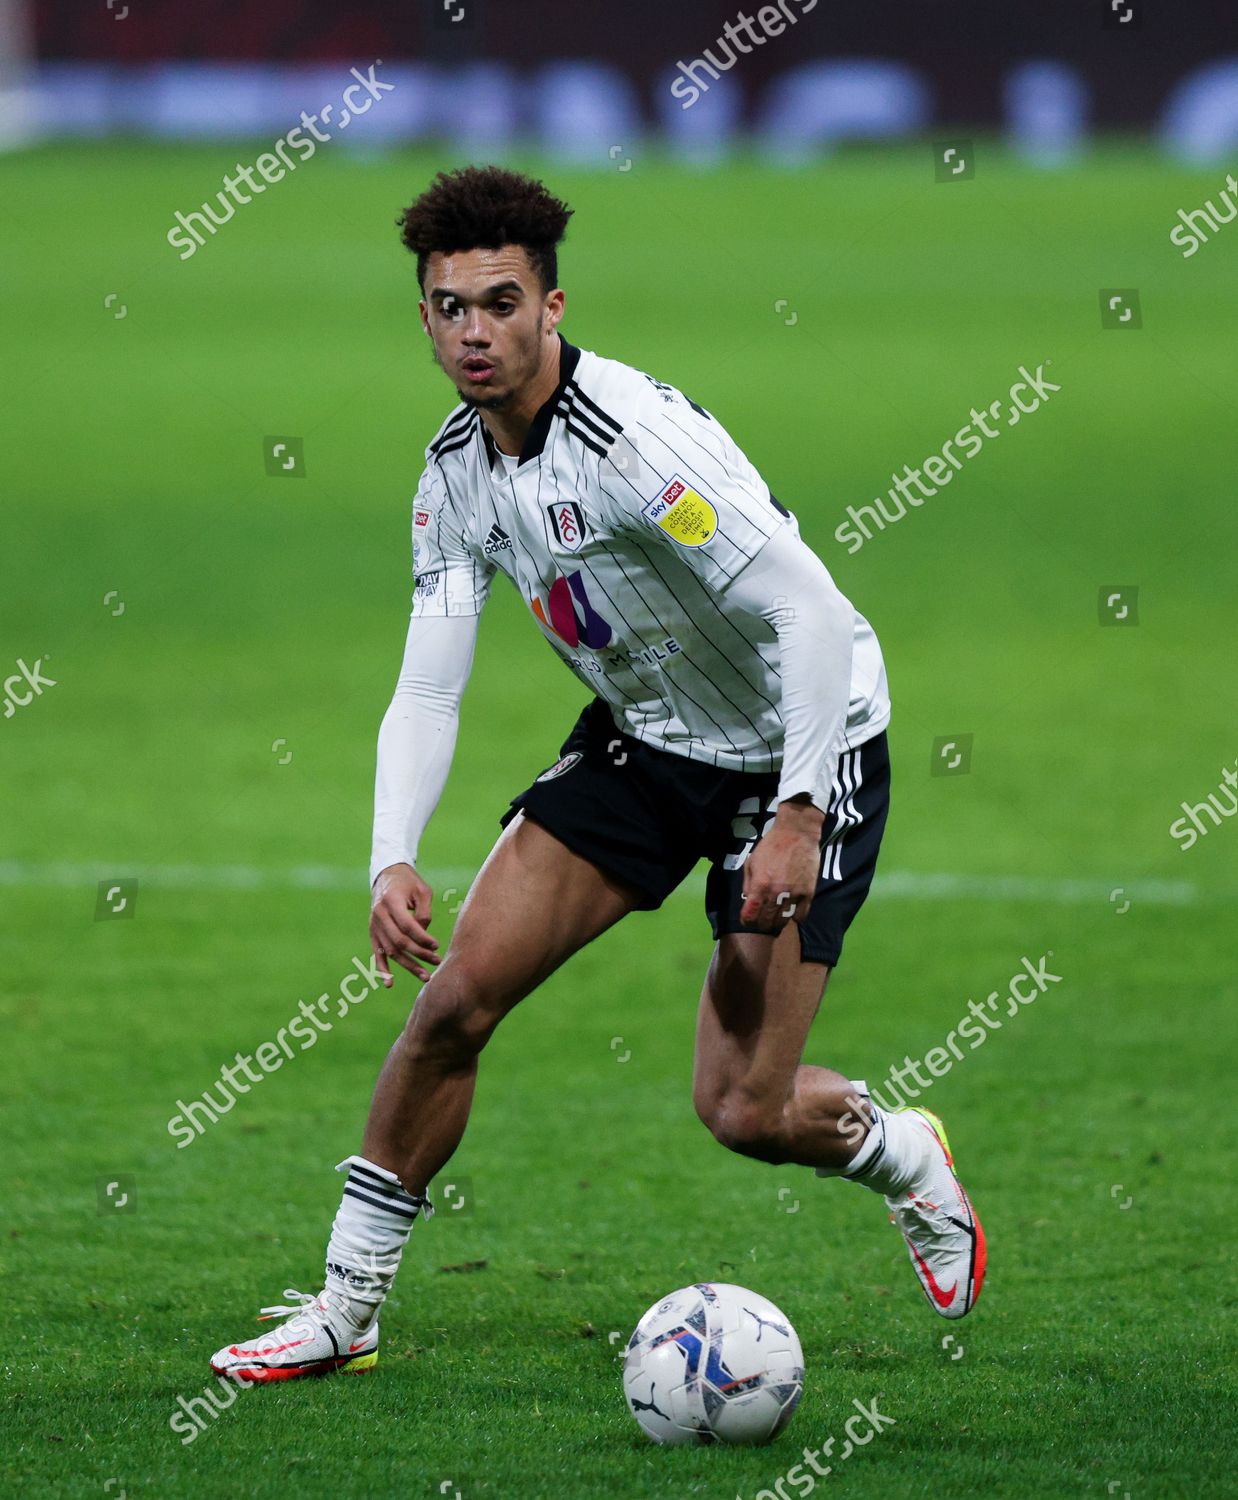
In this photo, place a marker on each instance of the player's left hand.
(780, 875)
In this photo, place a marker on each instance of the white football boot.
(943, 1235)
(314, 1341)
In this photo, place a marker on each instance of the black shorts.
(645, 817)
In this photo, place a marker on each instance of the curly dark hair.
(486, 208)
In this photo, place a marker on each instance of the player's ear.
(425, 318)
(554, 309)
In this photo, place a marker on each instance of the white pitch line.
(14, 872)
(1061, 891)
(896, 885)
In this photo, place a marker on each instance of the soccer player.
(737, 714)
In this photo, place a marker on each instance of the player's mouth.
(477, 371)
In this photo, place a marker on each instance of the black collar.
(539, 430)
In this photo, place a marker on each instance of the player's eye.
(504, 306)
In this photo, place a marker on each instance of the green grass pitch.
(841, 322)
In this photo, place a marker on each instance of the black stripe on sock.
(373, 1183)
(351, 1192)
(379, 1180)
(878, 1124)
(401, 1205)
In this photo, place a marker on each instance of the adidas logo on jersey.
(496, 541)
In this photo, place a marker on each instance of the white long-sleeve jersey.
(629, 524)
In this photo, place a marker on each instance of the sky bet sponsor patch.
(683, 513)
(421, 519)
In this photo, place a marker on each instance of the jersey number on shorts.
(745, 830)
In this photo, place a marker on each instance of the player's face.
(489, 321)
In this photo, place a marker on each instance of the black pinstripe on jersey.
(455, 423)
(460, 438)
(591, 412)
(587, 421)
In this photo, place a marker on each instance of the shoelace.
(304, 1301)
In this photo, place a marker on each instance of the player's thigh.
(532, 905)
(757, 1005)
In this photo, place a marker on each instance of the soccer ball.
(713, 1362)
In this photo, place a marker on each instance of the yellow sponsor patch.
(683, 513)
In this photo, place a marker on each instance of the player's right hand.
(399, 917)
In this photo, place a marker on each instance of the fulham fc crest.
(568, 523)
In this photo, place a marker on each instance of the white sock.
(891, 1155)
(367, 1240)
(858, 1093)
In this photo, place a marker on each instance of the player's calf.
(424, 1093)
(814, 1124)
(454, 1017)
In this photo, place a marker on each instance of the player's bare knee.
(453, 1019)
(748, 1126)
(706, 1099)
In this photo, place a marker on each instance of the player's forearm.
(816, 648)
(418, 737)
(788, 585)
(415, 746)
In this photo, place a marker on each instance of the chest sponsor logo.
(567, 521)
(426, 585)
(569, 613)
(683, 513)
(644, 656)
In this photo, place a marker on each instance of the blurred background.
(842, 241)
(576, 79)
